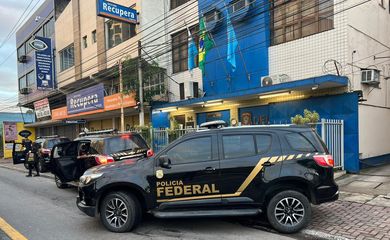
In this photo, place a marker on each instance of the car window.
(263, 143)
(237, 146)
(68, 150)
(124, 143)
(299, 143)
(51, 142)
(193, 150)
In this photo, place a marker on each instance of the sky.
(10, 13)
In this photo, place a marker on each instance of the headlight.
(87, 179)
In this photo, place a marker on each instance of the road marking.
(10, 231)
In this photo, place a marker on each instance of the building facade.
(290, 56)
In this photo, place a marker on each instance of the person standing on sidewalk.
(31, 157)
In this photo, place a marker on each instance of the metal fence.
(330, 130)
(332, 133)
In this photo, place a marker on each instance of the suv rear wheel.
(289, 211)
(120, 212)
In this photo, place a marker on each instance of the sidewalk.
(7, 163)
(363, 211)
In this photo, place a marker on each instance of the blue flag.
(232, 43)
(192, 52)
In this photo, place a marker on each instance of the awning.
(322, 82)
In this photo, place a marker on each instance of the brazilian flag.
(205, 44)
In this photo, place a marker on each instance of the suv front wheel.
(289, 211)
(120, 212)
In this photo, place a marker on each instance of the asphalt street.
(39, 210)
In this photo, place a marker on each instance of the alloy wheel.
(289, 211)
(116, 212)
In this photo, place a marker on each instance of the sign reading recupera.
(85, 100)
(116, 11)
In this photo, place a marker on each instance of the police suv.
(240, 171)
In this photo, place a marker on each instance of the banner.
(42, 109)
(10, 132)
(86, 100)
(43, 62)
(116, 11)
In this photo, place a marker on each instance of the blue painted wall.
(343, 106)
(252, 33)
(160, 120)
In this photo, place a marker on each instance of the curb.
(321, 235)
(24, 171)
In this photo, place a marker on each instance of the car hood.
(115, 166)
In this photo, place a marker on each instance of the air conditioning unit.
(192, 90)
(370, 76)
(22, 59)
(25, 91)
(274, 79)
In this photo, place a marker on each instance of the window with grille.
(67, 57)
(180, 49)
(296, 19)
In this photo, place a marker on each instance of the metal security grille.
(332, 133)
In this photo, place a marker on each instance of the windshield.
(50, 143)
(124, 143)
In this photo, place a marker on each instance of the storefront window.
(118, 32)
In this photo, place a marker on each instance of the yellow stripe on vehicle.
(10, 231)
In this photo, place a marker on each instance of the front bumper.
(89, 210)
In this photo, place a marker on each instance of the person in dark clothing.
(31, 158)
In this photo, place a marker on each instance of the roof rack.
(52, 136)
(86, 132)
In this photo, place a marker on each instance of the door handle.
(209, 169)
(268, 164)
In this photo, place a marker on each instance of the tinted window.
(237, 146)
(68, 150)
(263, 143)
(123, 143)
(300, 143)
(51, 142)
(194, 150)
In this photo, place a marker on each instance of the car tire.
(59, 182)
(120, 212)
(289, 211)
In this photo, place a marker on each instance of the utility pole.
(121, 91)
(141, 87)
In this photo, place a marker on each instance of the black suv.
(241, 171)
(44, 145)
(71, 159)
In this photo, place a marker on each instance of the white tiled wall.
(305, 57)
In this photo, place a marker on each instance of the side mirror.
(164, 162)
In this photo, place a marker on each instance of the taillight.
(324, 160)
(46, 151)
(150, 153)
(100, 160)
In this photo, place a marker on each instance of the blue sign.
(116, 11)
(43, 62)
(86, 100)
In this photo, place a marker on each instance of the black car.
(44, 145)
(71, 159)
(241, 171)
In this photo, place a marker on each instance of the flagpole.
(215, 44)
(239, 50)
